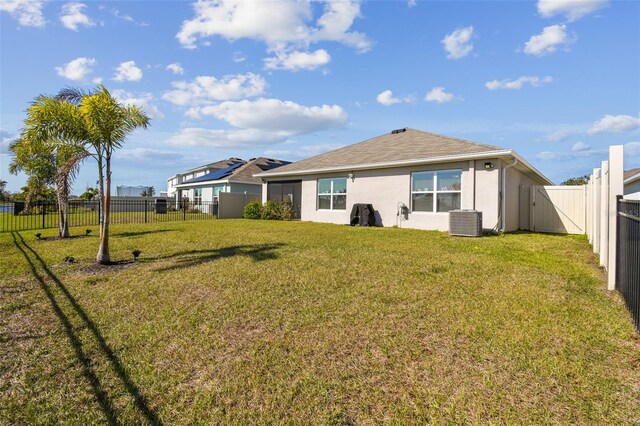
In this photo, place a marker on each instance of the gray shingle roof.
(408, 145)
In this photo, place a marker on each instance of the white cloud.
(632, 149)
(557, 136)
(238, 57)
(175, 68)
(97, 80)
(205, 89)
(518, 83)
(386, 98)
(245, 138)
(259, 123)
(579, 150)
(27, 12)
(572, 9)
(142, 100)
(549, 40)
(76, 69)
(275, 115)
(146, 154)
(128, 71)
(127, 18)
(285, 26)
(458, 43)
(294, 61)
(614, 123)
(439, 95)
(411, 3)
(5, 140)
(72, 16)
(580, 147)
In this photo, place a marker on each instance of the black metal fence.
(15, 216)
(628, 255)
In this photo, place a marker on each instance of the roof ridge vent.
(396, 131)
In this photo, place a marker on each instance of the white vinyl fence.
(605, 184)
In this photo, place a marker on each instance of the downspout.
(503, 192)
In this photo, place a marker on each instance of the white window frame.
(435, 191)
(331, 194)
(197, 196)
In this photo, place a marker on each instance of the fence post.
(145, 211)
(44, 213)
(604, 214)
(619, 255)
(184, 211)
(616, 187)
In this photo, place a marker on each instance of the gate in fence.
(42, 215)
(553, 209)
(628, 258)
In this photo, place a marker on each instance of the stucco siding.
(487, 187)
(386, 188)
(515, 179)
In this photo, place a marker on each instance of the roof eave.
(204, 182)
(413, 162)
(632, 178)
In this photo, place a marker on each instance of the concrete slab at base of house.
(421, 174)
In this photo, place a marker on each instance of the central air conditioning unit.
(465, 223)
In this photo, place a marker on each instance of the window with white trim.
(437, 191)
(332, 194)
(197, 196)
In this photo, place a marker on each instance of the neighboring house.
(632, 184)
(204, 183)
(412, 179)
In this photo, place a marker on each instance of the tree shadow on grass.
(139, 233)
(103, 398)
(188, 259)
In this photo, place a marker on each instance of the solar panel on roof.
(215, 175)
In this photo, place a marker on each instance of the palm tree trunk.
(101, 194)
(63, 219)
(103, 257)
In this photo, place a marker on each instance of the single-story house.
(632, 184)
(412, 178)
(204, 183)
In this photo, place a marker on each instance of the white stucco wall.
(515, 178)
(385, 188)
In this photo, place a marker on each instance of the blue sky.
(558, 81)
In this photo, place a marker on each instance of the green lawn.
(253, 322)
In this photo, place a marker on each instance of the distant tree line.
(580, 180)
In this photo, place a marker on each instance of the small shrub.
(270, 211)
(253, 210)
(284, 211)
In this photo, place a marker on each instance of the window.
(332, 194)
(197, 196)
(436, 191)
(217, 189)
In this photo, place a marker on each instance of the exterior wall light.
(351, 176)
(488, 165)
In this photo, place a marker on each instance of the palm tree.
(96, 122)
(48, 164)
